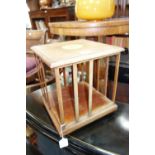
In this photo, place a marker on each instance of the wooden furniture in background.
(66, 13)
(121, 8)
(50, 15)
(34, 37)
(45, 3)
(33, 5)
(73, 106)
(110, 26)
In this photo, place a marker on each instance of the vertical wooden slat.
(42, 80)
(106, 75)
(72, 75)
(90, 86)
(45, 85)
(97, 74)
(115, 77)
(76, 100)
(59, 95)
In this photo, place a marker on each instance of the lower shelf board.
(101, 106)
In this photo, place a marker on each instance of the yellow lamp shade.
(94, 9)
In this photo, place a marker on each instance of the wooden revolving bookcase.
(74, 105)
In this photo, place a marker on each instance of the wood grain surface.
(76, 51)
(91, 28)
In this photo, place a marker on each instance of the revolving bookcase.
(71, 106)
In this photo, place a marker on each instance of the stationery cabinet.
(40, 18)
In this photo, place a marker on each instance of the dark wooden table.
(106, 136)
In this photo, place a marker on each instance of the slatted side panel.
(41, 76)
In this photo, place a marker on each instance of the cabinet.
(51, 15)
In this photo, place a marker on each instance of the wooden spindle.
(90, 86)
(76, 100)
(106, 75)
(45, 85)
(97, 74)
(41, 76)
(115, 77)
(59, 95)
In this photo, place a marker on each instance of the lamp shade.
(94, 9)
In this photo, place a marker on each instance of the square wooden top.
(70, 52)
